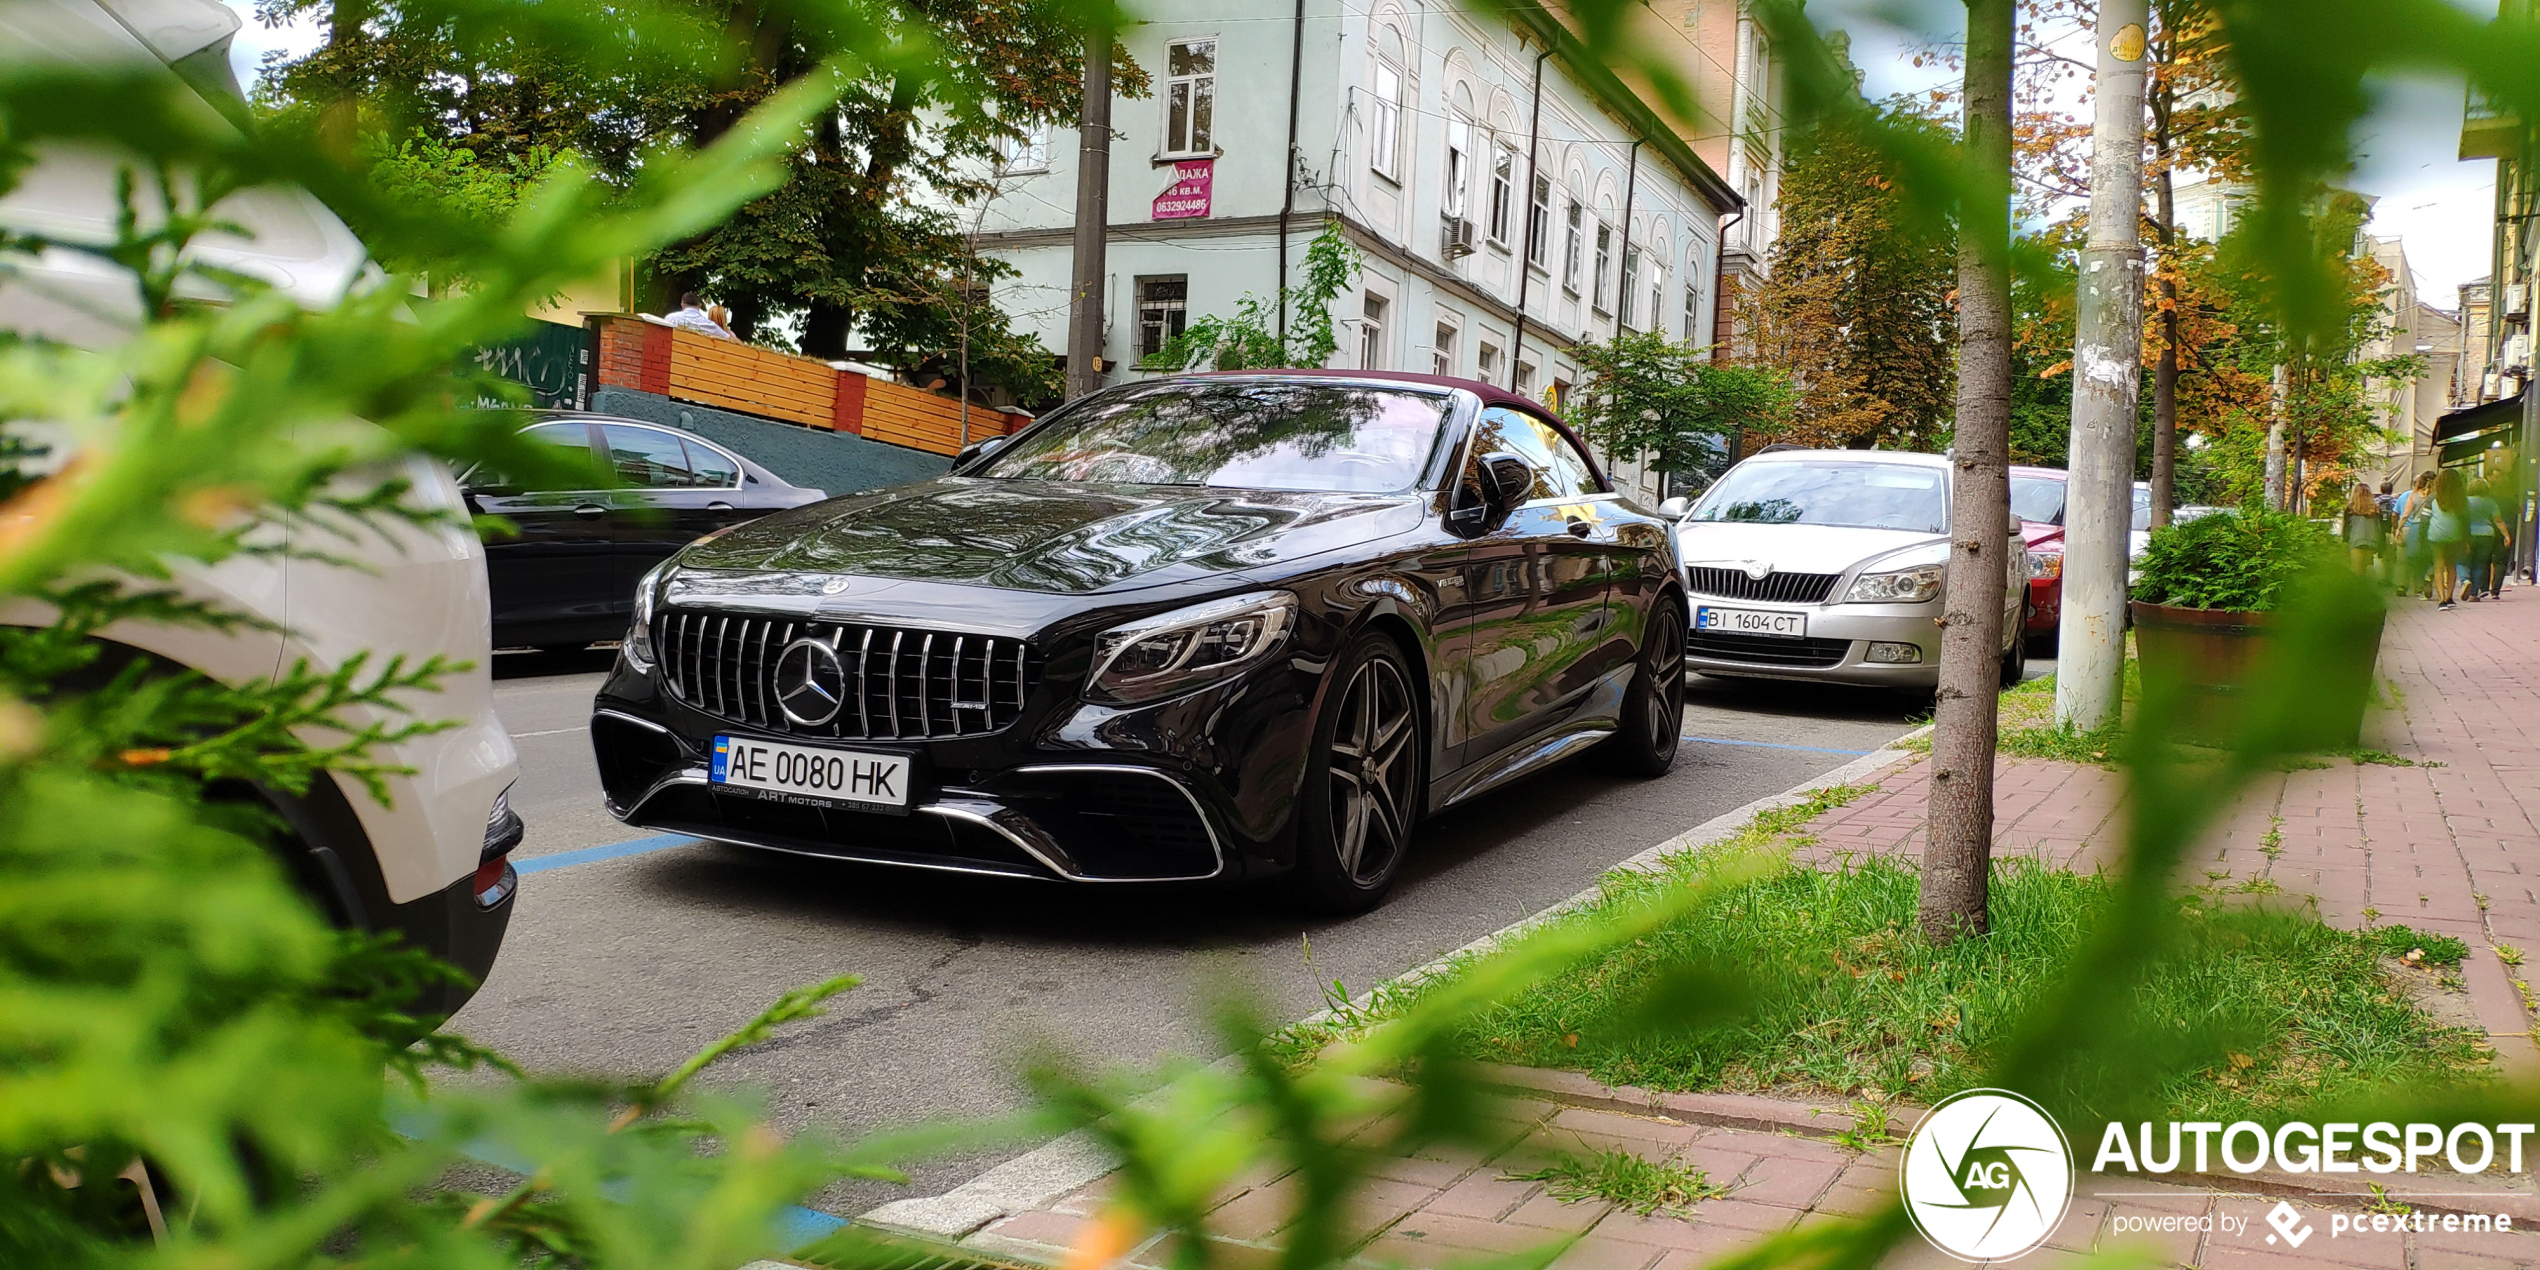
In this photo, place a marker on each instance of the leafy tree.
(1643, 394)
(853, 241)
(1857, 309)
(1248, 339)
(429, 176)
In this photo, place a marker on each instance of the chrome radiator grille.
(901, 684)
(1772, 588)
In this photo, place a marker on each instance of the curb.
(1075, 1160)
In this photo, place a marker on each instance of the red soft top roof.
(1491, 395)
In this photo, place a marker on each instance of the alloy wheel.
(1665, 682)
(1371, 772)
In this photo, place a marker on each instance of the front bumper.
(1198, 788)
(1835, 650)
(2045, 605)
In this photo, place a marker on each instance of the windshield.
(1856, 495)
(2038, 499)
(1239, 434)
(2142, 509)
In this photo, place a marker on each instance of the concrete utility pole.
(2107, 378)
(1955, 896)
(1093, 219)
(2275, 445)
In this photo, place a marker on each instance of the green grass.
(2434, 950)
(1624, 1180)
(1816, 983)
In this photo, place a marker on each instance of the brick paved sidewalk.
(2440, 846)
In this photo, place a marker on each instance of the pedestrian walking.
(2388, 503)
(2447, 531)
(2363, 529)
(2490, 543)
(2416, 557)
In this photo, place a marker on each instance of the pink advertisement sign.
(1187, 196)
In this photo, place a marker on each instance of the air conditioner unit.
(1455, 237)
(2515, 295)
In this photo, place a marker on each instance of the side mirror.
(1506, 480)
(975, 451)
(1675, 508)
(2018, 527)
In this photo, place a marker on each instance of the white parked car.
(1829, 565)
(431, 862)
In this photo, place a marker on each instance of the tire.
(1652, 727)
(2015, 657)
(1364, 781)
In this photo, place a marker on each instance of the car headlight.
(1903, 586)
(1174, 652)
(2046, 566)
(638, 645)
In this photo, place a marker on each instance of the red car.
(2037, 498)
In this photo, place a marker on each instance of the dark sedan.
(1208, 627)
(568, 577)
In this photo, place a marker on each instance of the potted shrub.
(2205, 605)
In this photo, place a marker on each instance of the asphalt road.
(626, 965)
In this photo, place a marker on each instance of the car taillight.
(495, 881)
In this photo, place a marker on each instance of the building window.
(1693, 313)
(1190, 95)
(1385, 122)
(1657, 316)
(1503, 192)
(1525, 379)
(1573, 245)
(1442, 353)
(1600, 297)
(1027, 153)
(1459, 165)
(1539, 223)
(1163, 307)
(1486, 363)
(1371, 334)
(1630, 289)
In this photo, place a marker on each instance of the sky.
(2440, 207)
(2406, 150)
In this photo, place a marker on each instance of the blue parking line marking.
(1773, 745)
(614, 850)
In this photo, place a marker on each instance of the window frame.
(1598, 300)
(1456, 201)
(1028, 154)
(1539, 225)
(1573, 246)
(1372, 310)
(1503, 192)
(1442, 348)
(1138, 290)
(1626, 283)
(1384, 122)
(1195, 142)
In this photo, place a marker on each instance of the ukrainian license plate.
(803, 773)
(1751, 622)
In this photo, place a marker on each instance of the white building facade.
(1509, 197)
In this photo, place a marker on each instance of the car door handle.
(1580, 528)
(588, 510)
(718, 506)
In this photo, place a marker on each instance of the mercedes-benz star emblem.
(811, 684)
(833, 586)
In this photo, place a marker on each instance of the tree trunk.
(339, 120)
(825, 330)
(2165, 371)
(2107, 380)
(1958, 845)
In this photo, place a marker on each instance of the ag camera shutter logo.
(1987, 1175)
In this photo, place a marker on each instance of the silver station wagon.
(1830, 565)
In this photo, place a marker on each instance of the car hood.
(2040, 533)
(1791, 548)
(1054, 537)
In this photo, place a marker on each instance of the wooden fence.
(650, 356)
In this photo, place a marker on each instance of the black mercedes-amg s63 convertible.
(1212, 626)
